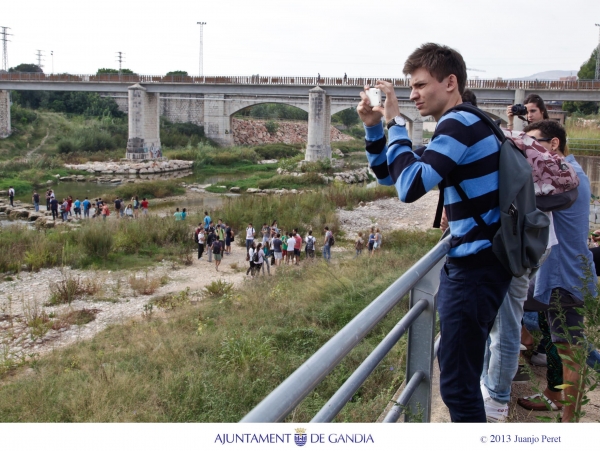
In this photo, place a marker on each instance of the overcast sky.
(306, 37)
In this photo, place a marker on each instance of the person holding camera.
(533, 110)
(473, 282)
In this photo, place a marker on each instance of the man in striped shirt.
(465, 152)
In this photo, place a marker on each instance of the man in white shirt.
(250, 232)
(11, 195)
(291, 243)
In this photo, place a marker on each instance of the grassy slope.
(215, 361)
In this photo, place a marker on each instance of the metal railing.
(422, 281)
(586, 145)
(577, 85)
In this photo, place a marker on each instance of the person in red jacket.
(144, 205)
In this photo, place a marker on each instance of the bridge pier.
(519, 98)
(144, 124)
(217, 121)
(415, 131)
(5, 129)
(318, 146)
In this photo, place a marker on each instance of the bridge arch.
(236, 105)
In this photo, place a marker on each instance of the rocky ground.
(131, 167)
(390, 214)
(25, 297)
(289, 132)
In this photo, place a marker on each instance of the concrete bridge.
(212, 101)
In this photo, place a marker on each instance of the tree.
(107, 71)
(178, 73)
(587, 71)
(27, 68)
(348, 117)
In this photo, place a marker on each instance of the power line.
(5, 48)
(120, 59)
(39, 58)
(201, 64)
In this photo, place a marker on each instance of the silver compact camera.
(374, 96)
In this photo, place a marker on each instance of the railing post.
(421, 339)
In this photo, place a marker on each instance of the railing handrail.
(283, 399)
(571, 85)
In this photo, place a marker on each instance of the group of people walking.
(374, 242)
(85, 208)
(213, 238)
(269, 246)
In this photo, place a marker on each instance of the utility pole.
(4, 47)
(39, 58)
(120, 60)
(52, 55)
(597, 77)
(201, 68)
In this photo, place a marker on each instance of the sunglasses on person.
(541, 140)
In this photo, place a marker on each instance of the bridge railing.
(422, 281)
(578, 85)
(581, 146)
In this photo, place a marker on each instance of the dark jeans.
(54, 214)
(200, 249)
(469, 297)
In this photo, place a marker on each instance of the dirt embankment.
(289, 132)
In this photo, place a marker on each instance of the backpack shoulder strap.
(484, 117)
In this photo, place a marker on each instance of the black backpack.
(310, 244)
(255, 257)
(331, 240)
(522, 237)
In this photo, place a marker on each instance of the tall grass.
(95, 244)
(293, 211)
(583, 128)
(215, 361)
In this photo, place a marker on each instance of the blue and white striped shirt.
(463, 147)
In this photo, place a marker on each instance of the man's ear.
(451, 83)
(555, 143)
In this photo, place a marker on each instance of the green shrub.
(94, 140)
(218, 288)
(271, 127)
(20, 245)
(317, 166)
(291, 164)
(291, 182)
(66, 145)
(175, 134)
(277, 151)
(241, 350)
(357, 132)
(350, 146)
(96, 240)
(21, 115)
(19, 185)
